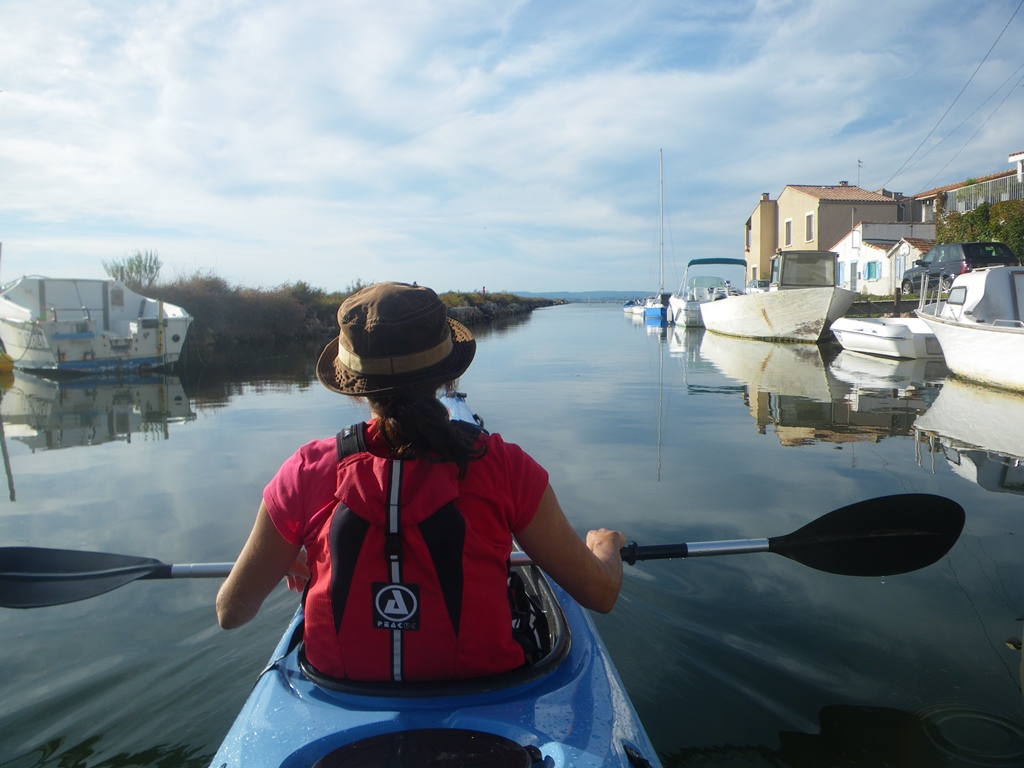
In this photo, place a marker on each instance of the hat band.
(386, 366)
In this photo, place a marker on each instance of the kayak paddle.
(877, 537)
(885, 536)
(35, 577)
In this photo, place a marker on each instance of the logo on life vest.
(396, 606)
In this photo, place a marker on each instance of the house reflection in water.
(46, 415)
(808, 393)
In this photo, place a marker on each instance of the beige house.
(812, 218)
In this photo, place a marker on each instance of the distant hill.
(584, 296)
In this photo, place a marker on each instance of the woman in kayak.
(400, 529)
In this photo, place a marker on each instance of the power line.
(976, 132)
(935, 127)
(964, 121)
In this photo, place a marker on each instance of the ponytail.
(416, 425)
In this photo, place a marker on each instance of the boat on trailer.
(83, 326)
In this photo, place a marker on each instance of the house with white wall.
(871, 260)
(810, 217)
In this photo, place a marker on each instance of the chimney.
(765, 195)
(844, 183)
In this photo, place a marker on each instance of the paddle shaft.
(877, 537)
(631, 553)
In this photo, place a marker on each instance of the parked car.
(944, 262)
(757, 286)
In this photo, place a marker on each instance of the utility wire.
(976, 132)
(964, 121)
(935, 127)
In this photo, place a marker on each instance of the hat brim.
(345, 381)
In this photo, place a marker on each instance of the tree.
(138, 271)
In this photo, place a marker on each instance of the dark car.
(944, 262)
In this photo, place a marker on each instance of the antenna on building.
(859, 164)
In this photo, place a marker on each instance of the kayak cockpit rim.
(560, 642)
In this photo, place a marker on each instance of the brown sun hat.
(394, 337)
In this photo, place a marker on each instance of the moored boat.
(801, 303)
(898, 337)
(699, 289)
(980, 326)
(88, 326)
(568, 709)
(656, 307)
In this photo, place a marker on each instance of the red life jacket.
(407, 587)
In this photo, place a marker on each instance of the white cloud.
(460, 144)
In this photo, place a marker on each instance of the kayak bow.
(569, 709)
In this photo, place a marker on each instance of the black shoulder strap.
(352, 439)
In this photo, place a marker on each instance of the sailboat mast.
(661, 217)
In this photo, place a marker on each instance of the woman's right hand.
(606, 544)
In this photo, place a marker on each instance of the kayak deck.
(569, 709)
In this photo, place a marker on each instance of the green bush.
(1002, 222)
(226, 315)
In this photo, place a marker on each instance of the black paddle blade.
(33, 577)
(877, 537)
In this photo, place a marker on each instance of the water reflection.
(45, 414)
(810, 393)
(980, 433)
(57, 755)
(874, 736)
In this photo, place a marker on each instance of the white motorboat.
(699, 289)
(88, 326)
(899, 337)
(801, 303)
(979, 326)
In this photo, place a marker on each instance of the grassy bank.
(229, 316)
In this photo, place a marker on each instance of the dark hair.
(415, 424)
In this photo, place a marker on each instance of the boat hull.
(797, 314)
(686, 313)
(987, 354)
(898, 337)
(576, 713)
(88, 326)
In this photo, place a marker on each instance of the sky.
(507, 145)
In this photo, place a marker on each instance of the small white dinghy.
(898, 337)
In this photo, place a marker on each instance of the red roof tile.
(841, 192)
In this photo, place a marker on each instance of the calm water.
(749, 660)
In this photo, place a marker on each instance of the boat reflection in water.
(979, 431)
(888, 385)
(808, 395)
(45, 414)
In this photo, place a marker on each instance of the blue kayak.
(567, 709)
